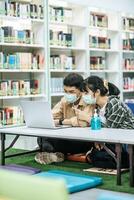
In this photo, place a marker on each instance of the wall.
(116, 5)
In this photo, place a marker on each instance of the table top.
(124, 136)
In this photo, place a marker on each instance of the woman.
(113, 113)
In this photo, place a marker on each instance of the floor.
(93, 194)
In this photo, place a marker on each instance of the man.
(64, 113)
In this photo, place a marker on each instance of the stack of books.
(98, 20)
(128, 83)
(10, 35)
(60, 38)
(128, 64)
(97, 63)
(62, 62)
(11, 115)
(128, 41)
(128, 23)
(21, 60)
(60, 14)
(99, 42)
(22, 9)
(56, 85)
(19, 87)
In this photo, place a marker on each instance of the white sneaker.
(47, 158)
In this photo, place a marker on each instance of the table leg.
(3, 149)
(131, 164)
(41, 146)
(118, 151)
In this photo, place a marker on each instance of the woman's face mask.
(88, 99)
(71, 98)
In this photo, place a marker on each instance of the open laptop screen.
(37, 114)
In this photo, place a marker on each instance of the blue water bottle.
(95, 121)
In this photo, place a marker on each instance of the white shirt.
(102, 114)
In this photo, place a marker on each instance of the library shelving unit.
(127, 28)
(104, 45)
(41, 41)
(68, 44)
(22, 57)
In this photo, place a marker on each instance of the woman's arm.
(115, 114)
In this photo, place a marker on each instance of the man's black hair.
(73, 80)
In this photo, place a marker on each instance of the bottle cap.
(95, 113)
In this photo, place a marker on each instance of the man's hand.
(81, 115)
(56, 121)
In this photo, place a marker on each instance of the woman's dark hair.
(73, 80)
(94, 83)
(113, 90)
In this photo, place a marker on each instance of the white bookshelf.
(82, 26)
(127, 32)
(104, 61)
(80, 21)
(35, 68)
(77, 50)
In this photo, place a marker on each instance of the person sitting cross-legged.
(64, 114)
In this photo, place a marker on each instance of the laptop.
(38, 114)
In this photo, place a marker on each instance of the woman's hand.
(98, 146)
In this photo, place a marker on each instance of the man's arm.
(57, 111)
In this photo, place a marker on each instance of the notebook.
(38, 114)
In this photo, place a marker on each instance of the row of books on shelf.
(11, 115)
(60, 38)
(98, 19)
(128, 64)
(97, 63)
(9, 35)
(128, 23)
(56, 85)
(128, 44)
(128, 83)
(62, 62)
(21, 60)
(19, 87)
(60, 14)
(99, 42)
(23, 10)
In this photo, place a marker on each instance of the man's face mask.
(71, 98)
(88, 99)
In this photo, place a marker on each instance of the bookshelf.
(22, 59)
(104, 44)
(22, 56)
(60, 38)
(127, 31)
(68, 46)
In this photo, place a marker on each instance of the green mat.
(109, 181)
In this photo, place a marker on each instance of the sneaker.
(47, 158)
